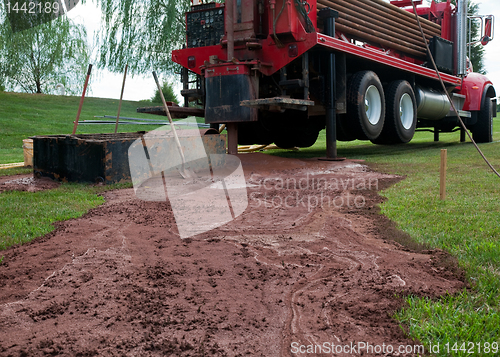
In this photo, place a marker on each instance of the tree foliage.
(141, 34)
(37, 59)
(168, 93)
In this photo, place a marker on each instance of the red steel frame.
(274, 58)
(383, 58)
(271, 58)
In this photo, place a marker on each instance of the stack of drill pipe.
(379, 22)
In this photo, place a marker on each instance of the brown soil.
(120, 282)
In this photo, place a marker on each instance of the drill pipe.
(380, 34)
(376, 39)
(390, 15)
(371, 22)
(402, 16)
(396, 10)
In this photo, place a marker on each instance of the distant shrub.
(168, 93)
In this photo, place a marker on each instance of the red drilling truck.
(279, 71)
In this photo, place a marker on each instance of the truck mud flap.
(226, 87)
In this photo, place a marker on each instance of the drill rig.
(282, 70)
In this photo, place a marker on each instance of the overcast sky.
(108, 85)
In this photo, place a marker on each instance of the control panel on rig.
(205, 25)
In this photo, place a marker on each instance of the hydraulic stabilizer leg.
(232, 138)
(329, 17)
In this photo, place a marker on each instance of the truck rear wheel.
(365, 105)
(482, 132)
(401, 114)
(294, 128)
(343, 132)
(302, 139)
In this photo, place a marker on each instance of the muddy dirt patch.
(27, 183)
(303, 265)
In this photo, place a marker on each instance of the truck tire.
(301, 139)
(365, 105)
(294, 128)
(401, 114)
(255, 132)
(343, 132)
(482, 132)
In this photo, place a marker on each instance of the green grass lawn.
(27, 215)
(466, 224)
(24, 115)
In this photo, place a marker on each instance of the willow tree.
(36, 59)
(141, 34)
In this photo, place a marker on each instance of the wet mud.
(302, 266)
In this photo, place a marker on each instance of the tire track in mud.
(352, 269)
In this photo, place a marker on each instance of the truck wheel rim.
(406, 111)
(373, 104)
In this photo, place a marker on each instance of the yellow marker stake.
(442, 175)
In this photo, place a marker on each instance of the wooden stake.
(81, 99)
(121, 98)
(442, 175)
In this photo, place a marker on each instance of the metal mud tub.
(97, 157)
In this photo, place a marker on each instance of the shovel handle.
(177, 142)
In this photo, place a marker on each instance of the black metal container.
(93, 157)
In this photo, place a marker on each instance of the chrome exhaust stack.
(461, 37)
